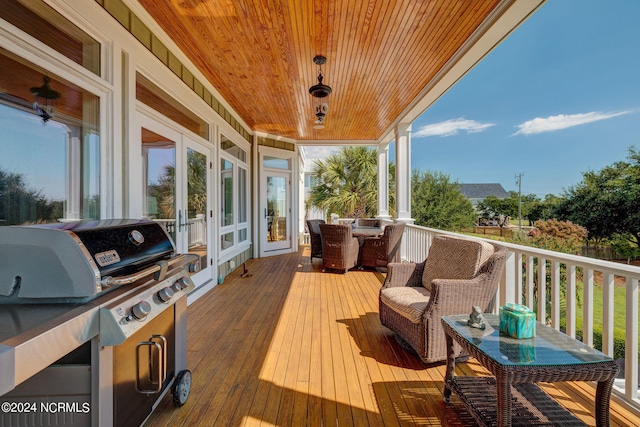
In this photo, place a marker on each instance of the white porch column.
(403, 172)
(383, 181)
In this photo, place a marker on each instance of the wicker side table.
(511, 397)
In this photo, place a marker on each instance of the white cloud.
(563, 121)
(316, 153)
(319, 152)
(452, 127)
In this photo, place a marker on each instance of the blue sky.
(559, 97)
(38, 155)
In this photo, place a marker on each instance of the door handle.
(159, 339)
(180, 223)
(149, 386)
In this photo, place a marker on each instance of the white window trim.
(237, 247)
(292, 156)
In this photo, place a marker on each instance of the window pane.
(226, 171)
(275, 162)
(242, 195)
(276, 208)
(233, 149)
(156, 98)
(226, 241)
(40, 21)
(242, 235)
(49, 171)
(160, 184)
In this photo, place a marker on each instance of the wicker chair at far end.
(458, 274)
(381, 250)
(314, 236)
(367, 222)
(339, 247)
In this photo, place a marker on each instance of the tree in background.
(607, 202)
(492, 206)
(347, 184)
(437, 202)
(622, 246)
(559, 236)
(545, 209)
(20, 204)
(532, 207)
(164, 189)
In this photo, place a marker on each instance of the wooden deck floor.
(292, 346)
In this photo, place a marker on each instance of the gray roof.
(480, 191)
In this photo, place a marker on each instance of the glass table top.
(548, 347)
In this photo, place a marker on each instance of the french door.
(176, 183)
(276, 211)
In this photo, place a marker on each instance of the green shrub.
(618, 343)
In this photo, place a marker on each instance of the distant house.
(478, 192)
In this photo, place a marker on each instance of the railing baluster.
(631, 344)
(555, 295)
(587, 306)
(542, 290)
(572, 304)
(507, 291)
(529, 289)
(607, 313)
(519, 276)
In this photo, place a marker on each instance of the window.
(275, 162)
(234, 203)
(151, 95)
(43, 23)
(242, 194)
(48, 171)
(226, 171)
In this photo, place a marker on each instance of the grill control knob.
(140, 310)
(179, 285)
(165, 294)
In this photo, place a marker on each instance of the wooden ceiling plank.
(380, 55)
(465, 29)
(396, 36)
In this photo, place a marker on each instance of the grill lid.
(68, 260)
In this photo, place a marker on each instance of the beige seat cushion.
(454, 258)
(407, 301)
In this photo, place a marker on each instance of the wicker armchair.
(314, 234)
(457, 275)
(380, 251)
(339, 247)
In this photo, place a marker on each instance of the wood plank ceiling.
(380, 55)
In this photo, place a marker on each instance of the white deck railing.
(196, 227)
(518, 285)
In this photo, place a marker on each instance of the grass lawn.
(619, 316)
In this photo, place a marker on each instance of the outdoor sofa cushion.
(454, 258)
(408, 301)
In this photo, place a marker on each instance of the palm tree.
(196, 182)
(347, 183)
(196, 186)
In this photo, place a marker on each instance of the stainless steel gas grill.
(100, 302)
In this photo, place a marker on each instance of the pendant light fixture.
(321, 112)
(320, 90)
(44, 100)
